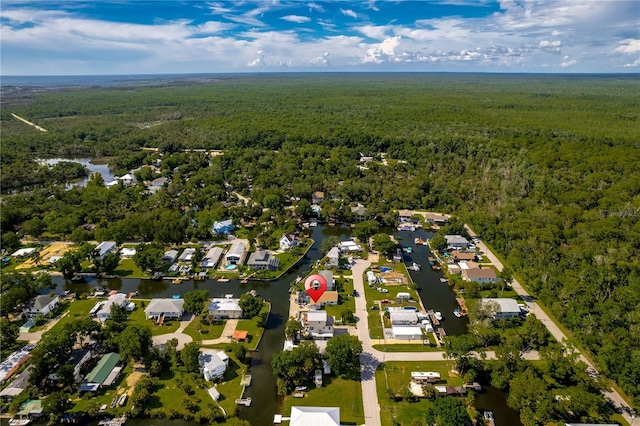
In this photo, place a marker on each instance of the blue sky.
(143, 37)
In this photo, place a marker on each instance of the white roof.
(505, 304)
(127, 251)
(214, 254)
(24, 252)
(315, 416)
(164, 305)
(119, 299)
(334, 252)
(403, 315)
(105, 246)
(237, 249)
(187, 254)
(421, 374)
(456, 239)
(317, 316)
(349, 246)
(210, 359)
(213, 392)
(406, 331)
(226, 304)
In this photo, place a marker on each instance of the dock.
(432, 317)
(246, 380)
(441, 332)
(463, 305)
(244, 401)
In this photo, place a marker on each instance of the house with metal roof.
(315, 416)
(222, 227)
(102, 371)
(457, 241)
(167, 308)
(225, 308)
(504, 307)
(212, 257)
(262, 259)
(104, 248)
(237, 253)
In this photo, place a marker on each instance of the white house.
(406, 333)
(104, 312)
(169, 256)
(371, 277)
(187, 254)
(315, 416)
(403, 318)
(212, 257)
(222, 227)
(505, 308)
(42, 304)
(127, 252)
(225, 308)
(23, 252)
(318, 324)
(288, 241)
(457, 241)
(237, 253)
(334, 258)
(104, 248)
(168, 308)
(213, 363)
(128, 179)
(425, 376)
(349, 246)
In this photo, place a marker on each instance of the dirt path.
(29, 123)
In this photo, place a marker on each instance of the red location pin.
(315, 286)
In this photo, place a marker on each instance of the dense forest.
(545, 168)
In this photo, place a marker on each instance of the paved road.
(183, 339)
(555, 331)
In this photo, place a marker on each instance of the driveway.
(182, 338)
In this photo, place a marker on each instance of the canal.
(263, 391)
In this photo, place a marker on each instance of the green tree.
(134, 342)
(363, 230)
(329, 243)
(69, 264)
(148, 257)
(250, 305)
(343, 355)
(459, 349)
(295, 367)
(272, 202)
(65, 375)
(194, 301)
(292, 328)
(10, 241)
(438, 243)
(9, 332)
(56, 404)
(448, 411)
(347, 316)
(384, 244)
(189, 357)
(303, 209)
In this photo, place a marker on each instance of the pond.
(103, 169)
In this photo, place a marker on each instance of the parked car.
(373, 307)
(384, 301)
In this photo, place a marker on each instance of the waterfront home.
(225, 308)
(458, 256)
(316, 416)
(403, 318)
(17, 385)
(103, 374)
(78, 359)
(406, 333)
(288, 241)
(328, 298)
(166, 308)
(222, 227)
(128, 179)
(30, 409)
(317, 197)
(350, 245)
(359, 213)
(457, 242)
(237, 253)
(212, 257)
(262, 259)
(318, 324)
(170, 256)
(187, 254)
(424, 377)
(502, 308)
(213, 363)
(404, 215)
(436, 219)
(333, 258)
(104, 248)
(41, 305)
(12, 363)
(127, 252)
(485, 275)
(328, 277)
(104, 311)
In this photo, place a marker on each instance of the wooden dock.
(432, 317)
(463, 305)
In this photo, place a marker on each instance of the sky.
(166, 37)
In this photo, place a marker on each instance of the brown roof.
(462, 256)
(480, 273)
(328, 296)
(239, 334)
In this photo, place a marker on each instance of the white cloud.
(373, 31)
(258, 61)
(567, 62)
(349, 12)
(324, 59)
(628, 47)
(316, 7)
(635, 63)
(372, 5)
(384, 52)
(550, 46)
(296, 18)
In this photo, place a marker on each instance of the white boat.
(414, 266)
(438, 316)
(444, 280)
(457, 313)
(19, 422)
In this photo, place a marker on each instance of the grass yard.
(346, 394)
(229, 387)
(251, 325)
(77, 310)
(205, 331)
(407, 347)
(104, 397)
(127, 268)
(138, 317)
(394, 376)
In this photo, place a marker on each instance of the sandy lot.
(55, 249)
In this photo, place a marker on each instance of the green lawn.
(138, 317)
(394, 376)
(348, 301)
(229, 387)
(287, 260)
(410, 348)
(205, 331)
(251, 325)
(104, 397)
(336, 392)
(128, 268)
(77, 310)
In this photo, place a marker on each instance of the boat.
(176, 281)
(223, 280)
(414, 266)
(419, 241)
(457, 313)
(122, 400)
(19, 422)
(113, 422)
(157, 276)
(300, 388)
(253, 293)
(438, 316)
(175, 296)
(444, 280)
(436, 267)
(298, 279)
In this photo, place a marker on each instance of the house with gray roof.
(168, 308)
(42, 304)
(262, 259)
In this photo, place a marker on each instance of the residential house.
(436, 219)
(424, 377)
(127, 252)
(103, 374)
(318, 324)
(12, 363)
(104, 248)
(128, 179)
(315, 416)
(403, 318)
(78, 359)
(225, 308)
(505, 308)
(457, 241)
(187, 254)
(222, 227)
(237, 253)
(328, 277)
(468, 264)
(486, 275)
(213, 363)
(262, 259)
(359, 213)
(334, 258)
(156, 184)
(328, 298)
(288, 241)
(41, 305)
(317, 197)
(30, 409)
(458, 256)
(104, 312)
(350, 245)
(23, 252)
(166, 308)
(170, 256)
(406, 333)
(17, 385)
(212, 257)
(404, 215)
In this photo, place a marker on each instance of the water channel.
(434, 294)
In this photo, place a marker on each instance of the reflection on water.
(493, 399)
(103, 169)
